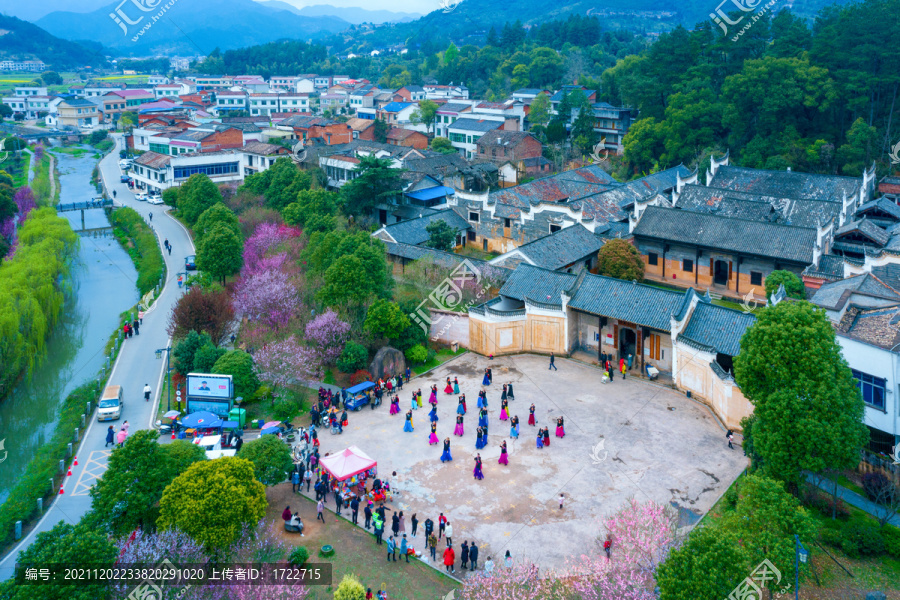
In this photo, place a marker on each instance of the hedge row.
(32, 292)
(141, 244)
(35, 481)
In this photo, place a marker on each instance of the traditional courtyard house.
(570, 250)
(413, 232)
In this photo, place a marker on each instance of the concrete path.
(853, 499)
(135, 366)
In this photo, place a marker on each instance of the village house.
(407, 137)
(78, 112)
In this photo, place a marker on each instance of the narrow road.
(135, 366)
(853, 499)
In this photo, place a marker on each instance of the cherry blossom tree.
(522, 581)
(287, 362)
(267, 297)
(267, 238)
(329, 334)
(642, 536)
(24, 199)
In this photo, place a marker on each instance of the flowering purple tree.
(25, 202)
(267, 297)
(39, 152)
(329, 334)
(641, 536)
(267, 238)
(287, 362)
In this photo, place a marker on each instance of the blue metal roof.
(360, 387)
(431, 193)
(396, 106)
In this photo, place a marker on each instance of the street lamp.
(168, 351)
(801, 555)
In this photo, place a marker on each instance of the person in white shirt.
(489, 566)
(297, 523)
(448, 531)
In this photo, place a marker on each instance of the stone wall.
(722, 395)
(531, 333)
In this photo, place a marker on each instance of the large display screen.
(202, 385)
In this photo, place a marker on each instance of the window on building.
(687, 265)
(474, 217)
(507, 223)
(872, 388)
(755, 278)
(653, 259)
(555, 228)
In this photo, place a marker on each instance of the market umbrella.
(271, 424)
(270, 430)
(201, 420)
(171, 414)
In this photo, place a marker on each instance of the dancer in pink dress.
(458, 430)
(503, 459)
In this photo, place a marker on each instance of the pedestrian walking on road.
(136, 325)
(552, 363)
(404, 549)
(464, 554)
(415, 524)
(442, 523)
(295, 479)
(368, 514)
(308, 477)
(151, 216)
(339, 502)
(120, 437)
(448, 532)
(432, 546)
(730, 437)
(320, 511)
(110, 436)
(125, 427)
(354, 506)
(449, 559)
(147, 392)
(391, 550)
(473, 555)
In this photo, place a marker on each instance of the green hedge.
(141, 244)
(34, 483)
(32, 291)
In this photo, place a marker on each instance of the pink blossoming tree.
(267, 297)
(329, 334)
(522, 581)
(286, 363)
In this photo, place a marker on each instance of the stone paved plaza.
(625, 438)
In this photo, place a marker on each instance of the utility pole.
(168, 351)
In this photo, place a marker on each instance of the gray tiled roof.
(865, 228)
(562, 248)
(785, 184)
(447, 259)
(538, 284)
(889, 274)
(831, 266)
(834, 295)
(469, 124)
(634, 302)
(757, 207)
(881, 204)
(718, 327)
(454, 107)
(413, 231)
(877, 326)
(758, 238)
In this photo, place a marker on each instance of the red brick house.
(407, 137)
(513, 146)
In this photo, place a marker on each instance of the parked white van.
(111, 403)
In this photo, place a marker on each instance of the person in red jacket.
(449, 559)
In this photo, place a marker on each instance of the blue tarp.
(272, 430)
(360, 387)
(431, 193)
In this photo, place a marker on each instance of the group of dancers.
(481, 431)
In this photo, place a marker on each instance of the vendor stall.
(348, 471)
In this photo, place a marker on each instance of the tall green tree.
(311, 204)
(857, 154)
(196, 195)
(539, 112)
(385, 319)
(440, 235)
(127, 496)
(376, 181)
(793, 286)
(708, 565)
(224, 491)
(620, 259)
(271, 459)
(239, 365)
(214, 215)
(221, 252)
(583, 128)
(807, 407)
(425, 114)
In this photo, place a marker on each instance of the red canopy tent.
(347, 463)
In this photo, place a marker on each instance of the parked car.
(140, 197)
(124, 179)
(155, 200)
(125, 163)
(190, 263)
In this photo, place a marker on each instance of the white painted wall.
(879, 363)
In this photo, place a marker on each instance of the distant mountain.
(188, 27)
(32, 11)
(22, 40)
(353, 15)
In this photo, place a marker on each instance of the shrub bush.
(731, 497)
(832, 537)
(360, 376)
(285, 410)
(862, 540)
(417, 354)
(891, 541)
(141, 244)
(299, 556)
(239, 365)
(822, 502)
(353, 358)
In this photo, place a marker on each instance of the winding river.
(102, 286)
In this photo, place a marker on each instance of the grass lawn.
(74, 151)
(728, 304)
(355, 552)
(442, 356)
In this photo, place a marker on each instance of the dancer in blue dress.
(477, 472)
(482, 418)
(487, 378)
(446, 455)
(461, 409)
(408, 426)
(414, 403)
(514, 428)
(482, 399)
(540, 439)
(479, 439)
(455, 385)
(433, 414)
